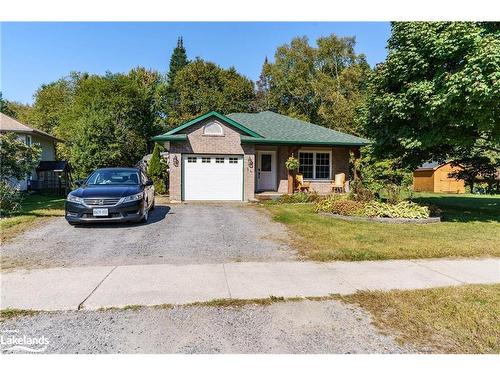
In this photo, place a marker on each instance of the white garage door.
(209, 177)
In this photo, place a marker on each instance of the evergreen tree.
(157, 170)
(262, 89)
(178, 60)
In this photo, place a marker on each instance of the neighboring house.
(435, 178)
(49, 174)
(217, 157)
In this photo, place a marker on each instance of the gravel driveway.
(177, 233)
(288, 327)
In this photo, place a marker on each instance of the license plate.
(100, 212)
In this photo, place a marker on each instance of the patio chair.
(301, 184)
(338, 185)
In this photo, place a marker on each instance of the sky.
(36, 53)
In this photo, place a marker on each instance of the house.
(435, 178)
(233, 157)
(50, 174)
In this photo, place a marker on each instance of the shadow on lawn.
(456, 208)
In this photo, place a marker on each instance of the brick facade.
(230, 144)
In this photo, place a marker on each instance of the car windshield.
(114, 177)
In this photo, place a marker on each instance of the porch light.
(176, 161)
(250, 162)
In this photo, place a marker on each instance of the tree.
(437, 95)
(178, 60)
(323, 85)
(113, 119)
(261, 102)
(481, 167)
(18, 159)
(52, 102)
(157, 170)
(169, 97)
(203, 86)
(19, 111)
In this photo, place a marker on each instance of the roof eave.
(294, 142)
(170, 138)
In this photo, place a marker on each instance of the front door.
(266, 170)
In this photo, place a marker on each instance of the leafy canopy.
(203, 86)
(323, 84)
(17, 158)
(437, 95)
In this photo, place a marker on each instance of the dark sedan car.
(111, 195)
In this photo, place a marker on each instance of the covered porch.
(318, 165)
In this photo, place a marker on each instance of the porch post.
(356, 152)
(291, 174)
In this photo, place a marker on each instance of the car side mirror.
(148, 182)
(78, 183)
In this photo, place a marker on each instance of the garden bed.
(387, 220)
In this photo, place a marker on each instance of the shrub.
(158, 170)
(435, 211)
(326, 204)
(160, 187)
(360, 193)
(301, 197)
(10, 199)
(394, 194)
(347, 207)
(405, 209)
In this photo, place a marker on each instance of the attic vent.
(213, 128)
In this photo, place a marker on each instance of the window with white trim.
(205, 160)
(315, 165)
(233, 160)
(219, 160)
(213, 128)
(191, 159)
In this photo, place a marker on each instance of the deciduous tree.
(437, 95)
(204, 86)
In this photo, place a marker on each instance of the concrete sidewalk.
(101, 287)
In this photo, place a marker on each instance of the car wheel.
(146, 216)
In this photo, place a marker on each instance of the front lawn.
(34, 207)
(470, 229)
(446, 320)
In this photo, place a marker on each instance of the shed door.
(209, 177)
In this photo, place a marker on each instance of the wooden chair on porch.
(302, 186)
(338, 185)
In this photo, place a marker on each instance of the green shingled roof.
(276, 128)
(170, 137)
(272, 128)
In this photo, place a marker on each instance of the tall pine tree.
(178, 60)
(261, 102)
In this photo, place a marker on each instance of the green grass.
(470, 229)
(462, 319)
(34, 207)
(463, 207)
(6, 314)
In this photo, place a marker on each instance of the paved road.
(175, 234)
(291, 327)
(97, 287)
